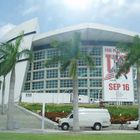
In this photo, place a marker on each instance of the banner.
(121, 89)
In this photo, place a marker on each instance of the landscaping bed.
(119, 114)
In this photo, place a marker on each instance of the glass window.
(53, 65)
(30, 66)
(38, 65)
(82, 72)
(52, 73)
(39, 55)
(51, 91)
(96, 93)
(82, 91)
(96, 51)
(84, 50)
(28, 77)
(95, 83)
(38, 75)
(98, 61)
(66, 83)
(51, 84)
(64, 73)
(81, 63)
(82, 82)
(96, 72)
(51, 53)
(38, 85)
(27, 86)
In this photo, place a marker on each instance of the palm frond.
(26, 53)
(73, 68)
(88, 60)
(132, 56)
(18, 40)
(53, 60)
(65, 65)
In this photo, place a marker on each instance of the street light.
(0, 84)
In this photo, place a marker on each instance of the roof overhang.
(88, 31)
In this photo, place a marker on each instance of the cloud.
(120, 9)
(31, 10)
(6, 28)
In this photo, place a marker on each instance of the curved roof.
(89, 31)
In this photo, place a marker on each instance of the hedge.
(119, 114)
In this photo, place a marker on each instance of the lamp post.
(0, 84)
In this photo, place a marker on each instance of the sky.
(55, 14)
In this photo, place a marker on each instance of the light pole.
(0, 84)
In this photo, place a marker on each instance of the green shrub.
(116, 112)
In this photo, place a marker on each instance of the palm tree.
(68, 55)
(11, 54)
(132, 58)
(3, 71)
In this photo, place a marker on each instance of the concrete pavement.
(29, 122)
(25, 119)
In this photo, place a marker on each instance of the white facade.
(29, 27)
(93, 36)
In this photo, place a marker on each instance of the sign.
(121, 89)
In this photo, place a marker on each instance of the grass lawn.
(12, 136)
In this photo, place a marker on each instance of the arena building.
(36, 83)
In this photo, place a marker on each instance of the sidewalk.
(28, 122)
(25, 119)
(54, 131)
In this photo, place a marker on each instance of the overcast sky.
(54, 14)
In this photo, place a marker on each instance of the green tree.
(68, 55)
(132, 58)
(10, 55)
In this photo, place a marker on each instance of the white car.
(132, 124)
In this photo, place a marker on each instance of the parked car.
(93, 118)
(132, 124)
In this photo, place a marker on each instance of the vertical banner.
(121, 89)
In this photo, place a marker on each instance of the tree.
(10, 55)
(132, 58)
(68, 55)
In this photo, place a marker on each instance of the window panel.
(64, 73)
(51, 53)
(38, 75)
(27, 86)
(66, 83)
(95, 83)
(51, 84)
(52, 73)
(82, 82)
(98, 61)
(38, 65)
(82, 91)
(82, 72)
(28, 78)
(96, 93)
(39, 55)
(96, 72)
(97, 51)
(38, 85)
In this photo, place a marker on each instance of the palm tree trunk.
(10, 113)
(3, 92)
(76, 127)
(138, 91)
